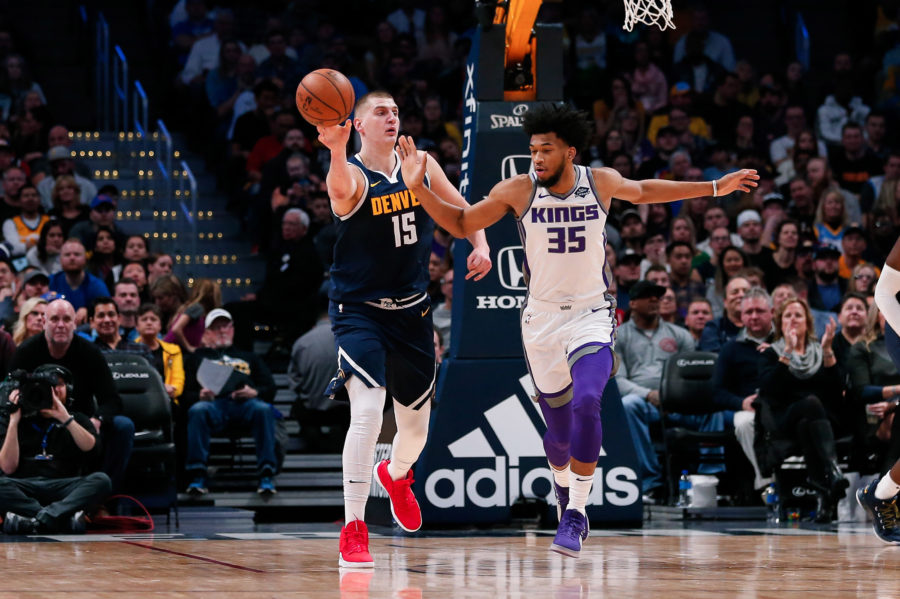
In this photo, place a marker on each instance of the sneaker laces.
(573, 526)
(356, 541)
(887, 513)
(403, 489)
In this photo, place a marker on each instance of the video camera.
(35, 389)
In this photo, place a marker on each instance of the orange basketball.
(325, 97)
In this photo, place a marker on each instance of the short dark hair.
(852, 295)
(149, 307)
(266, 85)
(125, 281)
(676, 244)
(100, 301)
(569, 124)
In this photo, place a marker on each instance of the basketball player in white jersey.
(568, 321)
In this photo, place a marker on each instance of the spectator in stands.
(168, 292)
(826, 288)
(94, 391)
(14, 179)
(668, 308)
(730, 263)
(35, 283)
(686, 281)
(136, 270)
(204, 54)
(712, 43)
(666, 145)
(786, 239)
(45, 255)
(253, 125)
(104, 256)
(781, 148)
(136, 249)
(196, 26)
(831, 218)
(67, 206)
(188, 326)
(875, 384)
(245, 400)
(852, 313)
(876, 134)
(17, 81)
(224, 84)
(30, 322)
(103, 315)
(627, 272)
(281, 68)
(102, 214)
(442, 312)
(698, 314)
(73, 283)
(643, 344)
(700, 71)
(59, 136)
(749, 229)
(725, 328)
(41, 494)
(165, 357)
(838, 109)
(159, 265)
(863, 279)
(853, 163)
(127, 297)
(736, 381)
(61, 163)
(798, 378)
(310, 369)
(23, 231)
(648, 82)
(853, 247)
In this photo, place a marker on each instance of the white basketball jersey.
(564, 237)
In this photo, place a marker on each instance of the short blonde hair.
(363, 104)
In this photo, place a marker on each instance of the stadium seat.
(144, 399)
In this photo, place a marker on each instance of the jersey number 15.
(405, 229)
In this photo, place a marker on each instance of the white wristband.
(715, 189)
(886, 295)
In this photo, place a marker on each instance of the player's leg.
(361, 358)
(557, 446)
(410, 372)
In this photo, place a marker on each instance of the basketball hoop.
(648, 12)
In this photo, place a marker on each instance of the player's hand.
(741, 180)
(479, 263)
(335, 137)
(413, 163)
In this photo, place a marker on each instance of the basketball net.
(649, 12)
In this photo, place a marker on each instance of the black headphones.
(65, 374)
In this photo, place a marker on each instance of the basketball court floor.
(224, 555)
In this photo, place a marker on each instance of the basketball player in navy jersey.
(880, 496)
(568, 320)
(380, 311)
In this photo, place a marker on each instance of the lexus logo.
(520, 109)
(516, 164)
(509, 268)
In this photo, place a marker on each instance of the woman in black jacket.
(798, 377)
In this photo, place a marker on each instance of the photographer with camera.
(92, 381)
(45, 449)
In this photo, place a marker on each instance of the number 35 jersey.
(564, 237)
(384, 243)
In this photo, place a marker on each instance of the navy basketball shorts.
(391, 348)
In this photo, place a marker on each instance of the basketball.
(325, 97)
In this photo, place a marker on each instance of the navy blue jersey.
(384, 244)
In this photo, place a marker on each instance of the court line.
(197, 557)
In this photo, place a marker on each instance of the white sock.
(579, 489)
(561, 477)
(366, 406)
(412, 432)
(886, 488)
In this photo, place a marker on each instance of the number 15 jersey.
(564, 237)
(384, 243)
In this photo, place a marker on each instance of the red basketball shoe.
(404, 506)
(355, 546)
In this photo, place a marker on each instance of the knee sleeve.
(358, 457)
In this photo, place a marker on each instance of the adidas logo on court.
(521, 468)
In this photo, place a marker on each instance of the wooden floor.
(735, 562)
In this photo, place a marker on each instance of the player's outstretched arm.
(345, 183)
(656, 191)
(459, 221)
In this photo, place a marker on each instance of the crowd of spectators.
(711, 273)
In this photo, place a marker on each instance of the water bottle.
(770, 496)
(684, 490)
